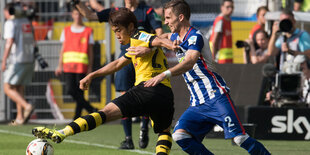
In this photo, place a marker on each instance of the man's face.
(6, 14)
(122, 34)
(171, 20)
(262, 40)
(227, 8)
(261, 16)
(76, 16)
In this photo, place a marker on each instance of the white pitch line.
(77, 142)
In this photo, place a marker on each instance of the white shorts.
(18, 74)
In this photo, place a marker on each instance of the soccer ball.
(39, 147)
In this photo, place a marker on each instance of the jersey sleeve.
(153, 18)
(103, 16)
(195, 42)
(141, 38)
(219, 26)
(91, 39)
(8, 30)
(304, 43)
(62, 36)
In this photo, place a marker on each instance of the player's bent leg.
(251, 145)
(189, 144)
(85, 123)
(164, 143)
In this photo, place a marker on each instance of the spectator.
(260, 25)
(302, 5)
(18, 61)
(259, 55)
(76, 60)
(297, 41)
(221, 38)
(304, 62)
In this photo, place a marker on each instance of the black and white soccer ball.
(39, 147)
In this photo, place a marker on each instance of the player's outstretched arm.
(106, 70)
(86, 12)
(187, 64)
(165, 42)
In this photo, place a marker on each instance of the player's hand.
(175, 45)
(138, 51)
(85, 83)
(155, 80)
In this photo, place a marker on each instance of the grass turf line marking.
(77, 142)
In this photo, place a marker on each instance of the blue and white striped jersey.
(203, 83)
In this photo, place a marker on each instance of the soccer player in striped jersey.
(156, 102)
(210, 100)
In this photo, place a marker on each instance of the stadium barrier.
(280, 123)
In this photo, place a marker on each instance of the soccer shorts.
(18, 74)
(199, 120)
(125, 78)
(155, 102)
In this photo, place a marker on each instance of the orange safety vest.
(75, 55)
(225, 50)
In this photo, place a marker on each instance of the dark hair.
(261, 8)
(122, 17)
(179, 7)
(223, 1)
(10, 8)
(287, 12)
(261, 31)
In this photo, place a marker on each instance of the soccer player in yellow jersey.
(156, 102)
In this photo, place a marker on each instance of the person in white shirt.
(17, 62)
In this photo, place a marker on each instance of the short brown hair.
(179, 7)
(261, 8)
(223, 1)
(122, 17)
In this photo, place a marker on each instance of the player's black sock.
(164, 143)
(145, 122)
(127, 125)
(85, 123)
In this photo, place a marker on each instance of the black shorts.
(156, 102)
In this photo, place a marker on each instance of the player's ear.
(181, 17)
(131, 27)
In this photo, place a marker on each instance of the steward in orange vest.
(221, 37)
(75, 56)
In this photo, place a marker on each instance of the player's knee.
(240, 139)
(178, 136)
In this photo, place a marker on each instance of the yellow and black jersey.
(150, 65)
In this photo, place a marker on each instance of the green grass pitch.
(106, 139)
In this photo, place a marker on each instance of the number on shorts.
(228, 120)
